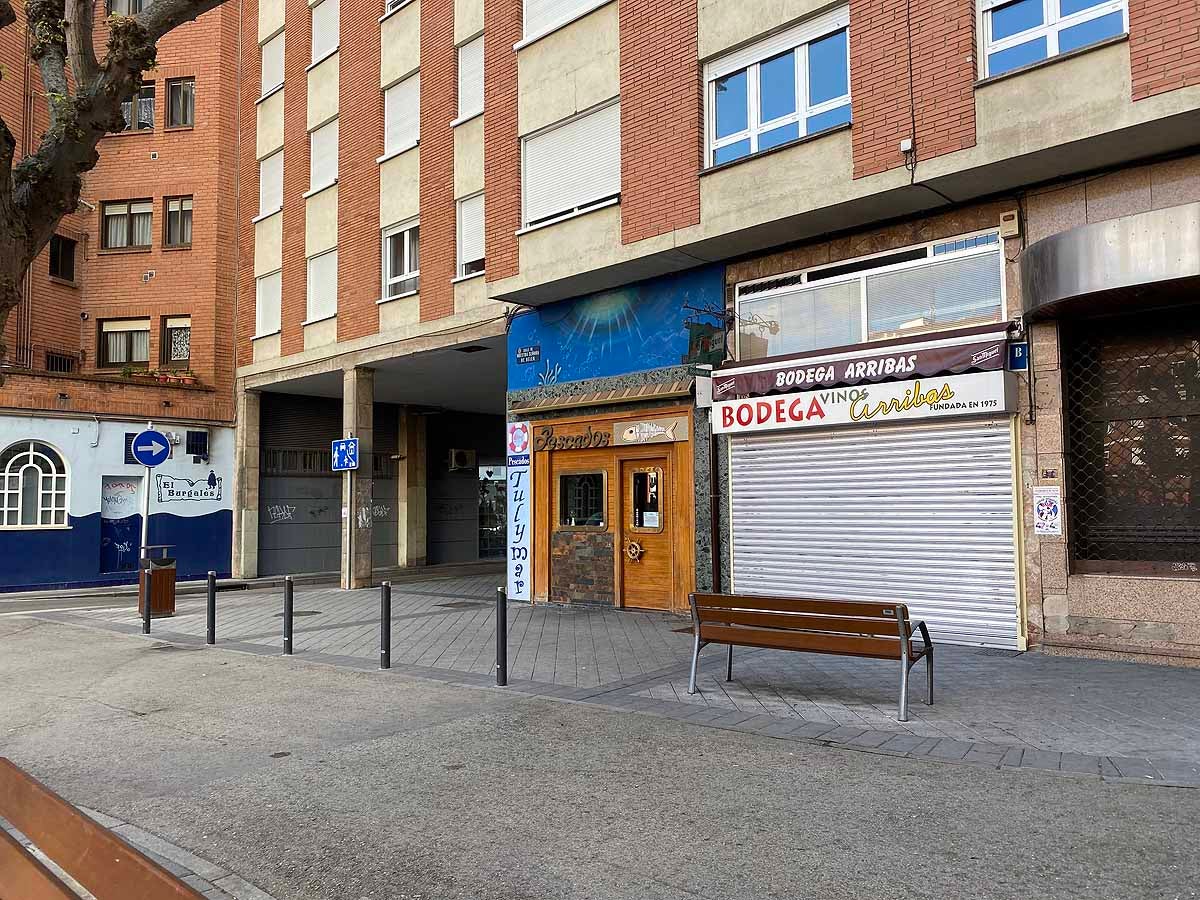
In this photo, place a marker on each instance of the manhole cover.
(463, 604)
(301, 612)
(998, 651)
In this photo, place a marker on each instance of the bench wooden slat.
(87, 851)
(847, 624)
(799, 605)
(814, 641)
(25, 877)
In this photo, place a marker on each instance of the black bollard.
(210, 634)
(144, 575)
(501, 637)
(385, 625)
(287, 616)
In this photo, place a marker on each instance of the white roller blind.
(268, 292)
(179, 322)
(470, 230)
(544, 15)
(470, 78)
(913, 514)
(402, 114)
(272, 63)
(270, 184)
(126, 325)
(323, 155)
(958, 291)
(573, 165)
(322, 286)
(324, 28)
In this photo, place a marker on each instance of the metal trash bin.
(157, 579)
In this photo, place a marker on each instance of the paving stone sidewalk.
(211, 880)
(1112, 719)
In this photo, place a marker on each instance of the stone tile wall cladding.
(1147, 619)
(581, 568)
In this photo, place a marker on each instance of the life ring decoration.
(634, 551)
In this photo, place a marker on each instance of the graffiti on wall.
(653, 324)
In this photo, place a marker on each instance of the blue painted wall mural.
(653, 324)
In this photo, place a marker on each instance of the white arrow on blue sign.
(150, 448)
(345, 454)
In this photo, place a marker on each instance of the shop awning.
(661, 391)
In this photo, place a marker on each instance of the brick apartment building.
(127, 319)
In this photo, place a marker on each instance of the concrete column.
(410, 477)
(358, 398)
(247, 442)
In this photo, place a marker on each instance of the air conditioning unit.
(462, 459)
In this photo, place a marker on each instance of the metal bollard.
(287, 615)
(385, 625)
(501, 637)
(144, 575)
(210, 635)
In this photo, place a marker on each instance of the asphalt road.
(325, 783)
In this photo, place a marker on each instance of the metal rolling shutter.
(921, 515)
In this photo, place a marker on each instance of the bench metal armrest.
(920, 626)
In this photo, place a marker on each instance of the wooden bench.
(842, 628)
(86, 851)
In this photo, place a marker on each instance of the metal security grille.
(914, 514)
(1133, 443)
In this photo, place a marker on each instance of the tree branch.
(7, 14)
(48, 47)
(80, 47)
(162, 15)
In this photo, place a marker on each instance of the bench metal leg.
(729, 666)
(903, 716)
(695, 661)
(929, 669)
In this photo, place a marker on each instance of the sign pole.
(146, 506)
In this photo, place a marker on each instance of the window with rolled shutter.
(323, 155)
(324, 29)
(402, 115)
(542, 16)
(470, 235)
(268, 292)
(470, 78)
(573, 166)
(270, 184)
(322, 286)
(272, 64)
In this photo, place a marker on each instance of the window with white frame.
(1017, 33)
(470, 236)
(270, 184)
(544, 16)
(33, 493)
(401, 259)
(792, 84)
(268, 296)
(322, 286)
(323, 155)
(272, 64)
(572, 166)
(402, 115)
(470, 78)
(931, 287)
(324, 29)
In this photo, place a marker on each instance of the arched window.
(33, 492)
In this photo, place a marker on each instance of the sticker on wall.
(653, 431)
(173, 488)
(1047, 510)
(530, 354)
(519, 552)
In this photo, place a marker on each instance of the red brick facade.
(197, 281)
(1164, 45)
(943, 80)
(439, 102)
(297, 45)
(249, 89)
(360, 143)
(660, 82)
(501, 143)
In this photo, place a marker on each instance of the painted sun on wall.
(654, 324)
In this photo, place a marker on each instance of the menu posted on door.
(520, 504)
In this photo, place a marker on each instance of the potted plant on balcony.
(127, 371)
(188, 376)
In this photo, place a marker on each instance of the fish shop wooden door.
(645, 532)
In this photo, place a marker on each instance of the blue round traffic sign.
(150, 448)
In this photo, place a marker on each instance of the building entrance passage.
(645, 533)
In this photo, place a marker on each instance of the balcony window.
(177, 341)
(1017, 33)
(124, 342)
(790, 85)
